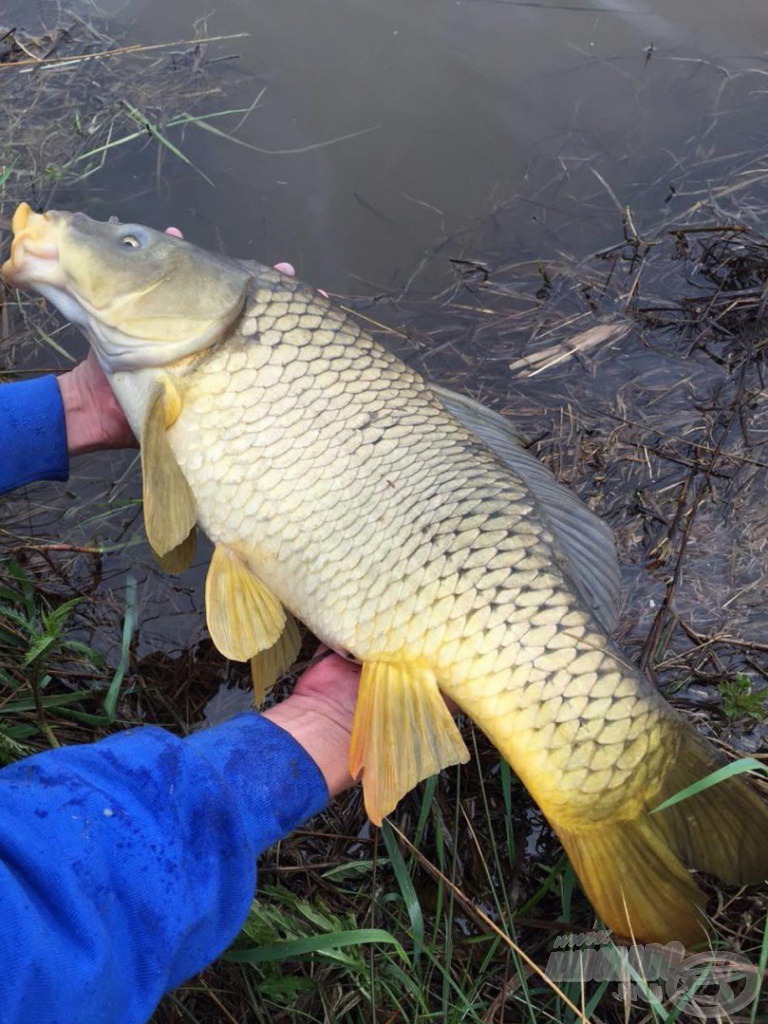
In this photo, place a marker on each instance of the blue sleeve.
(128, 865)
(33, 433)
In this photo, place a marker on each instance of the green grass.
(414, 935)
(36, 646)
(741, 700)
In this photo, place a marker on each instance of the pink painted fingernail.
(174, 232)
(286, 268)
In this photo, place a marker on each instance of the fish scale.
(402, 523)
(457, 497)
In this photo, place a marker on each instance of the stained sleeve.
(128, 865)
(33, 434)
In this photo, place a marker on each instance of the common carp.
(401, 524)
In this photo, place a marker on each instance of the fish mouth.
(34, 255)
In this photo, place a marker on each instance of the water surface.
(521, 130)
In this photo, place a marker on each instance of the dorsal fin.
(586, 542)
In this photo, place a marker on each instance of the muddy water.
(465, 104)
(387, 137)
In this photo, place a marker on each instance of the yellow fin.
(179, 559)
(269, 665)
(636, 883)
(722, 830)
(169, 505)
(402, 733)
(244, 617)
(635, 871)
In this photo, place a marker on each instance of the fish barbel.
(397, 522)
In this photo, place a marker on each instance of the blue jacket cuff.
(273, 802)
(33, 434)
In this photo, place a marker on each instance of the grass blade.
(155, 132)
(744, 764)
(407, 889)
(18, 707)
(314, 944)
(761, 966)
(129, 625)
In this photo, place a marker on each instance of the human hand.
(93, 417)
(318, 714)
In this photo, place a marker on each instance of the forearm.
(129, 864)
(45, 420)
(319, 732)
(33, 443)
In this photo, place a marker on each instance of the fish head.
(144, 298)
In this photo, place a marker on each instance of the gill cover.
(144, 298)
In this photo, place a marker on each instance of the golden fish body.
(336, 485)
(382, 523)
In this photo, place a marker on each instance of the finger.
(287, 268)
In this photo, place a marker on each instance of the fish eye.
(130, 242)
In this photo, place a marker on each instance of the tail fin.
(635, 871)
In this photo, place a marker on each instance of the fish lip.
(21, 216)
(34, 249)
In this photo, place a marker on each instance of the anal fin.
(402, 733)
(269, 664)
(244, 616)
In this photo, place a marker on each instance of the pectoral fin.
(269, 665)
(244, 617)
(179, 559)
(169, 505)
(402, 733)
